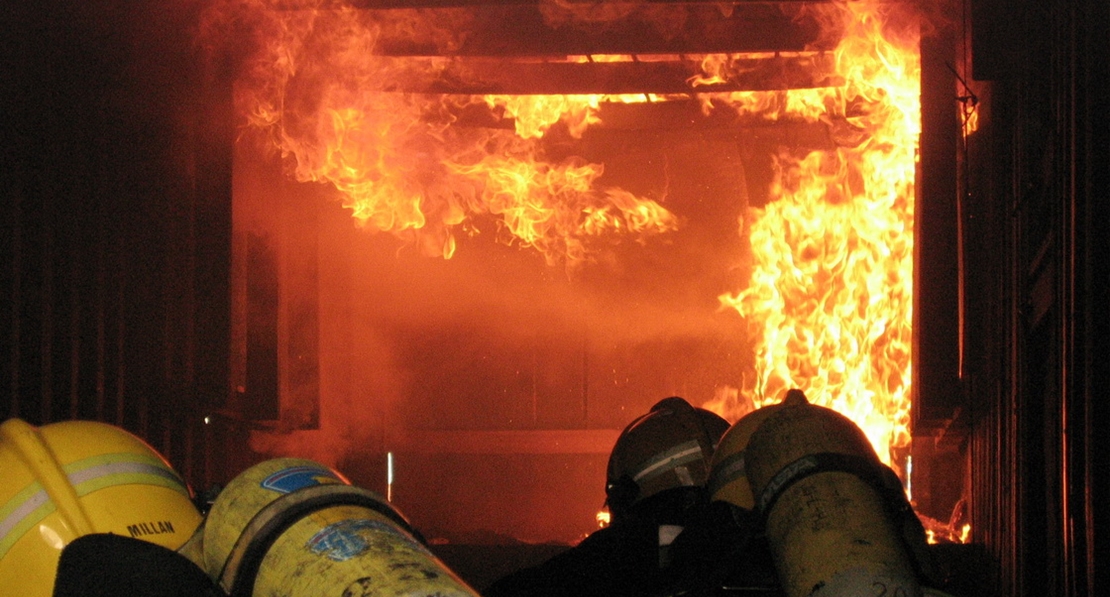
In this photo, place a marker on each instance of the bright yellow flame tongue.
(830, 297)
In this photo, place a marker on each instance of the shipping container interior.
(174, 267)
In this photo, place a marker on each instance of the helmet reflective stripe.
(106, 470)
(23, 511)
(728, 470)
(664, 461)
(30, 506)
(33, 452)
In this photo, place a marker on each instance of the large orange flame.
(328, 101)
(830, 296)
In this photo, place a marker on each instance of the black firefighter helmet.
(667, 448)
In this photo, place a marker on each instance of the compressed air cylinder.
(296, 528)
(728, 481)
(827, 525)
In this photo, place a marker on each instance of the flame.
(553, 207)
(603, 518)
(533, 115)
(941, 532)
(970, 115)
(325, 98)
(829, 300)
(830, 296)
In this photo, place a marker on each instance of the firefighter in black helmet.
(655, 479)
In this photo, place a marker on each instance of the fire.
(970, 115)
(829, 300)
(321, 94)
(830, 296)
(603, 518)
(954, 530)
(533, 115)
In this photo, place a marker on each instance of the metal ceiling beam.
(484, 76)
(503, 28)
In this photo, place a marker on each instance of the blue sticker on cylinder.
(346, 539)
(291, 479)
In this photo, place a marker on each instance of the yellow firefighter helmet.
(69, 479)
(297, 528)
(666, 448)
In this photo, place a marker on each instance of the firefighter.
(802, 506)
(654, 482)
(88, 509)
(723, 548)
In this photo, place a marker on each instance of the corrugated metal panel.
(116, 223)
(1035, 484)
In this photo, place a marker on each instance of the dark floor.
(964, 570)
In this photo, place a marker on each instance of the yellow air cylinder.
(826, 522)
(73, 478)
(728, 477)
(291, 527)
